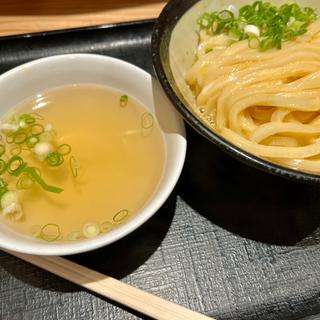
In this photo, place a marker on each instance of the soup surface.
(118, 153)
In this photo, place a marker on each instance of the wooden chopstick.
(111, 288)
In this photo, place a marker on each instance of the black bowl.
(161, 36)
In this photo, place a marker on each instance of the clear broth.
(120, 161)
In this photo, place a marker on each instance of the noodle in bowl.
(265, 103)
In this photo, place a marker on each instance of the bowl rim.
(154, 203)
(161, 28)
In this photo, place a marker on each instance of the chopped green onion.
(10, 137)
(147, 120)
(3, 187)
(226, 15)
(50, 232)
(36, 129)
(19, 137)
(3, 167)
(254, 42)
(25, 181)
(31, 141)
(27, 118)
(15, 151)
(16, 165)
(2, 149)
(120, 215)
(64, 149)
(91, 230)
(205, 21)
(34, 174)
(3, 184)
(276, 24)
(8, 198)
(42, 150)
(36, 115)
(10, 205)
(27, 131)
(124, 100)
(54, 159)
(74, 166)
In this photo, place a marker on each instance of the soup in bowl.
(245, 74)
(90, 149)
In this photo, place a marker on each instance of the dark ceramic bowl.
(173, 23)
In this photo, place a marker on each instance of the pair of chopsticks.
(111, 288)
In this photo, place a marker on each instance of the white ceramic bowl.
(40, 75)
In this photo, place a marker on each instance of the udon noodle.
(266, 103)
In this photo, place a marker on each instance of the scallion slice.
(91, 230)
(37, 178)
(31, 141)
(19, 137)
(147, 120)
(124, 100)
(276, 24)
(50, 232)
(25, 181)
(36, 129)
(3, 167)
(54, 159)
(16, 165)
(64, 149)
(74, 166)
(120, 215)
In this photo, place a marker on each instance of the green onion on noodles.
(271, 25)
(27, 118)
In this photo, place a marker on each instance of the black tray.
(230, 242)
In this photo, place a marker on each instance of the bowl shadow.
(246, 201)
